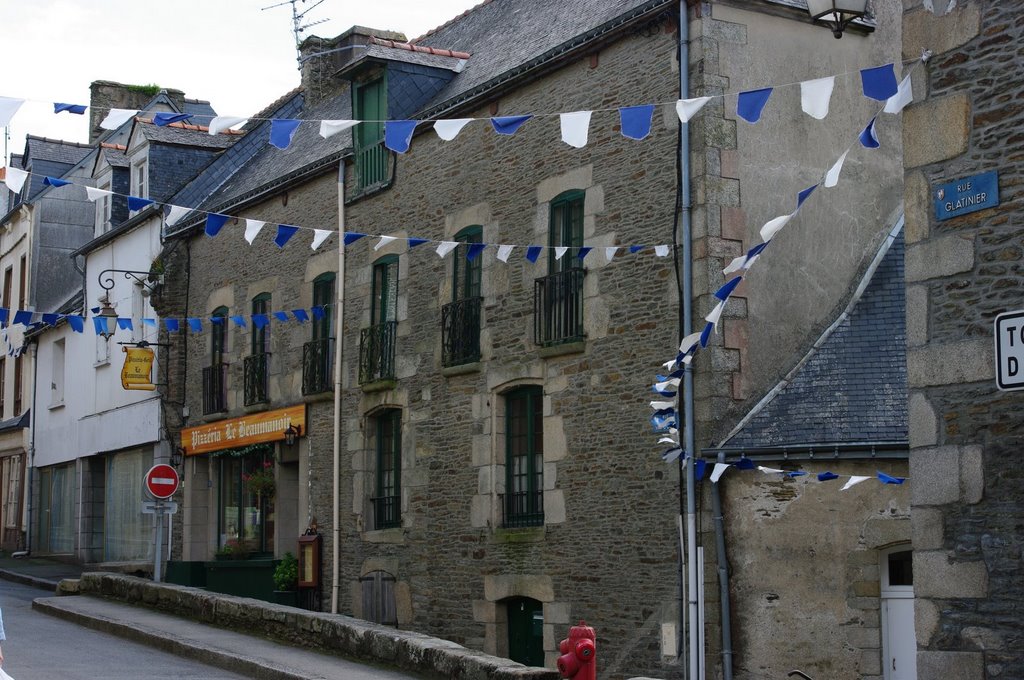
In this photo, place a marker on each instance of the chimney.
(322, 58)
(106, 95)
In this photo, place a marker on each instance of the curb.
(34, 581)
(259, 669)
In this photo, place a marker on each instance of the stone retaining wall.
(333, 633)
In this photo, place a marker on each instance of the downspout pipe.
(723, 575)
(339, 313)
(687, 293)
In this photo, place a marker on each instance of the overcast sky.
(230, 52)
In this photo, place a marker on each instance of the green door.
(525, 631)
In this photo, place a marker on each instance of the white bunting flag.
(832, 176)
(175, 215)
(609, 252)
(575, 128)
(15, 179)
(560, 251)
(688, 108)
(329, 128)
(667, 440)
(716, 314)
(446, 247)
(735, 265)
(661, 405)
(667, 385)
(504, 252)
(815, 96)
(689, 342)
(904, 95)
(94, 194)
(319, 236)
(772, 227)
(252, 229)
(222, 123)
(8, 107)
(719, 470)
(855, 479)
(661, 251)
(770, 471)
(384, 240)
(117, 117)
(449, 129)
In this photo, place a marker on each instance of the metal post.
(339, 311)
(158, 518)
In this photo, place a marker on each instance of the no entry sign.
(162, 481)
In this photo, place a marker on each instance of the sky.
(233, 53)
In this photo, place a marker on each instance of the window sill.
(461, 369)
(577, 347)
(379, 385)
(101, 362)
(396, 535)
(56, 405)
(519, 535)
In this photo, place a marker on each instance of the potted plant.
(261, 481)
(286, 581)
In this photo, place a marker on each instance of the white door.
(899, 643)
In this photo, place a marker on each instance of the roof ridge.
(261, 115)
(81, 145)
(111, 145)
(187, 126)
(441, 52)
(450, 21)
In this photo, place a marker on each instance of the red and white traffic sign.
(162, 481)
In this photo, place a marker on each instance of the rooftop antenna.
(297, 18)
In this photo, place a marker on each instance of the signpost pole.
(158, 518)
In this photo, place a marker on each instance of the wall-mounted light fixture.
(836, 14)
(142, 278)
(107, 313)
(292, 433)
(177, 457)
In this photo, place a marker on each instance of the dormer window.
(371, 107)
(140, 179)
(103, 210)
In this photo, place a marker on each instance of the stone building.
(963, 270)
(492, 477)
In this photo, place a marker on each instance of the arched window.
(257, 364)
(316, 354)
(524, 458)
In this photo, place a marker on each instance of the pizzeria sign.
(254, 428)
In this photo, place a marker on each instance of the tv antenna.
(298, 27)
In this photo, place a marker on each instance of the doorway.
(525, 630)
(899, 642)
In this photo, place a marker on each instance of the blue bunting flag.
(281, 132)
(636, 121)
(750, 104)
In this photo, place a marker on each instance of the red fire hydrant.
(578, 658)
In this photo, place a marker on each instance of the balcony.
(215, 393)
(522, 509)
(256, 368)
(371, 165)
(558, 308)
(377, 352)
(387, 512)
(460, 332)
(316, 366)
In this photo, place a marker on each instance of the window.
(245, 515)
(139, 293)
(3, 384)
(17, 385)
(22, 281)
(140, 180)
(460, 320)
(379, 598)
(56, 533)
(558, 297)
(127, 532)
(316, 354)
(388, 498)
(257, 364)
(103, 209)
(8, 287)
(524, 458)
(57, 374)
(371, 156)
(215, 375)
(377, 343)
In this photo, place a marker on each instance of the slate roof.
(115, 157)
(421, 58)
(504, 35)
(853, 389)
(55, 150)
(184, 135)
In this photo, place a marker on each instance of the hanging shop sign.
(966, 195)
(137, 373)
(254, 428)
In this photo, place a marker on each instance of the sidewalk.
(39, 572)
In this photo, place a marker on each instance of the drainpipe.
(723, 576)
(688, 445)
(339, 312)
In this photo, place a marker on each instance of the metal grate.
(316, 366)
(522, 509)
(256, 370)
(558, 308)
(377, 352)
(215, 394)
(460, 331)
(372, 165)
(387, 512)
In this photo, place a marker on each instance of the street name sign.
(1009, 336)
(162, 481)
(159, 507)
(966, 195)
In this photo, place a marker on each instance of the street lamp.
(107, 313)
(836, 14)
(291, 433)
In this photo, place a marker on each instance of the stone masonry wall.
(965, 434)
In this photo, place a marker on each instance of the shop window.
(245, 513)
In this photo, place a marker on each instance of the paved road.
(42, 647)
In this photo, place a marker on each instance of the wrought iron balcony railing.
(460, 331)
(257, 369)
(387, 512)
(522, 509)
(377, 352)
(215, 393)
(558, 308)
(316, 366)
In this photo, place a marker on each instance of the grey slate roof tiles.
(56, 150)
(184, 136)
(854, 388)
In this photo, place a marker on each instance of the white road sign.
(1009, 337)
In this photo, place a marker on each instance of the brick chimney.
(106, 95)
